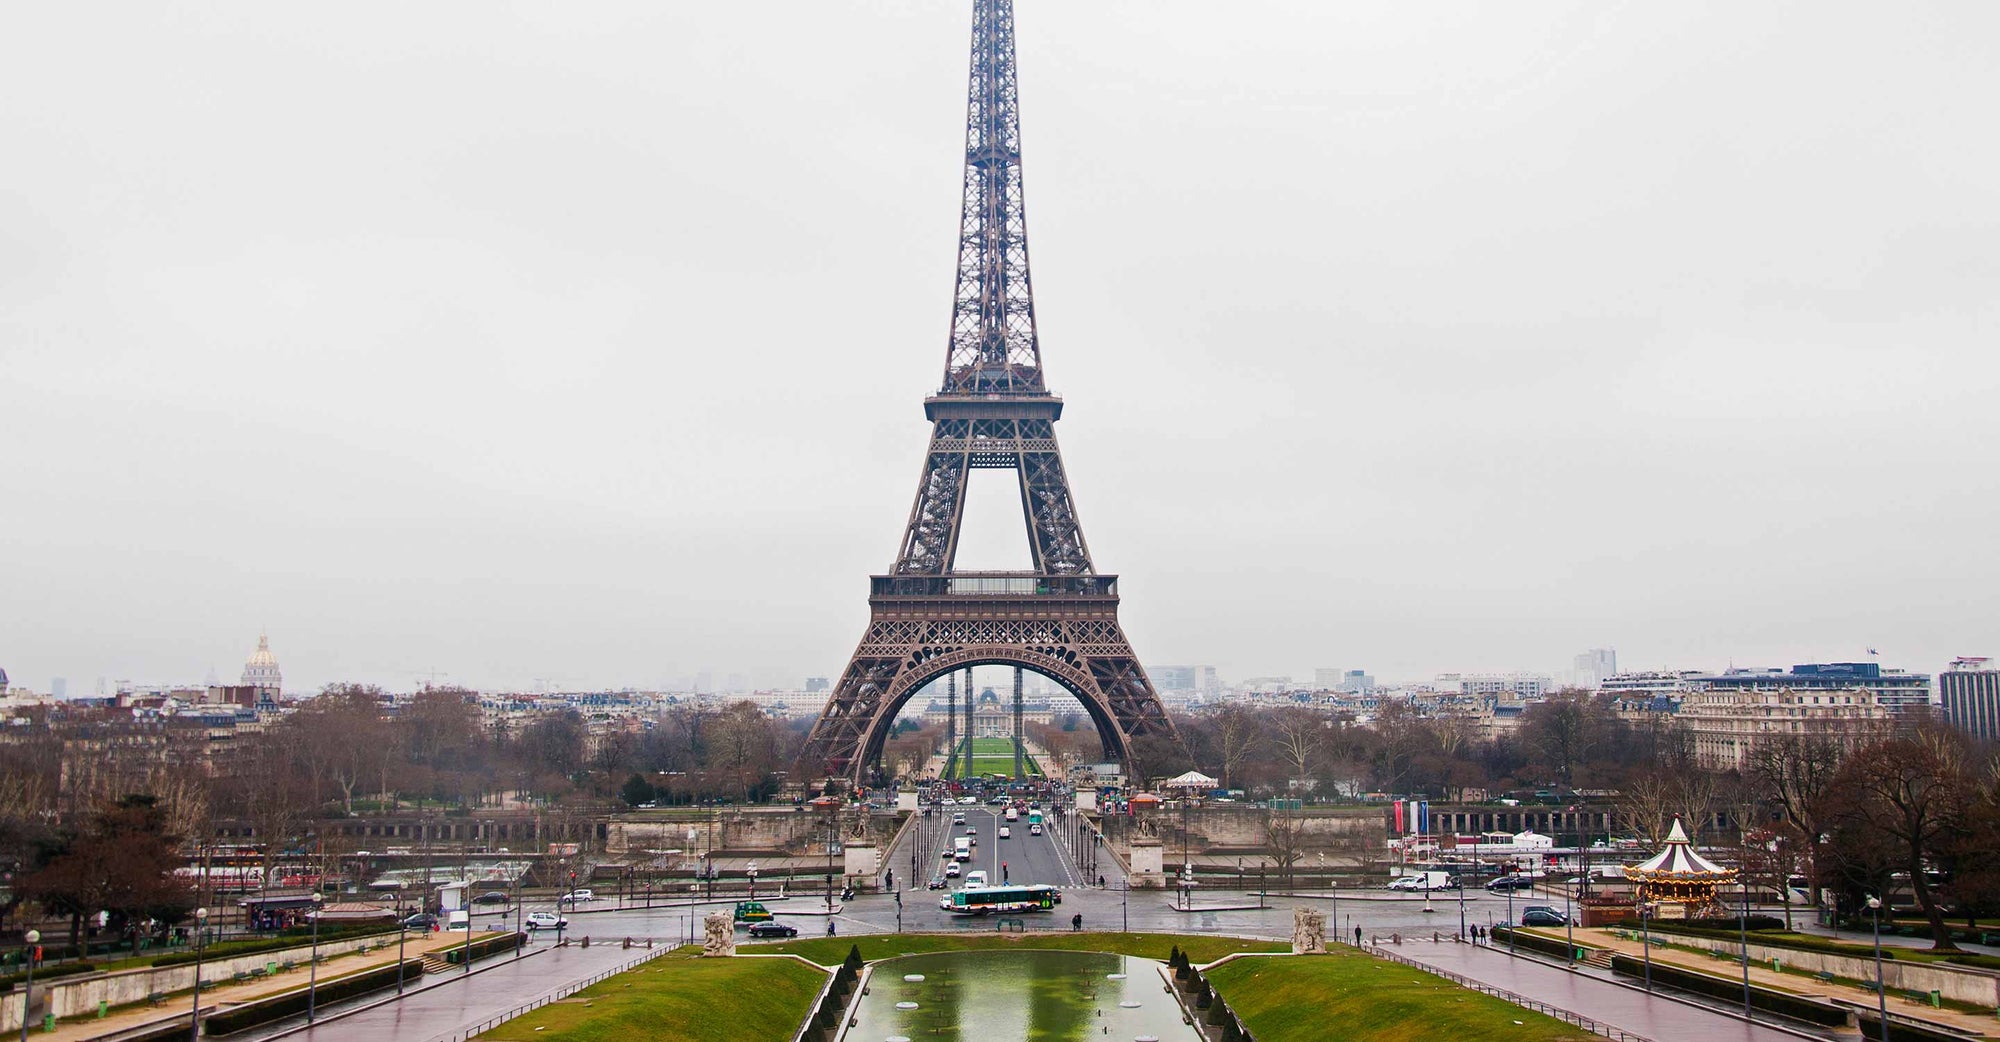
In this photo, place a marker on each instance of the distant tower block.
(993, 410)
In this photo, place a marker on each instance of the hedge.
(1825, 946)
(278, 1007)
(1533, 942)
(1794, 1006)
(1901, 1030)
(68, 969)
(485, 946)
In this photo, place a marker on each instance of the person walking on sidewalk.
(1076, 922)
(829, 928)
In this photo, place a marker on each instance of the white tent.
(1192, 780)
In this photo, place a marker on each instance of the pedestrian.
(829, 928)
(1357, 936)
(1076, 922)
(1100, 882)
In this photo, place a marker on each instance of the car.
(575, 896)
(492, 897)
(946, 853)
(773, 930)
(1506, 883)
(1006, 833)
(420, 921)
(1034, 830)
(546, 921)
(1542, 917)
(996, 801)
(968, 800)
(937, 882)
(951, 871)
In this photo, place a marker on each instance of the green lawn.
(996, 756)
(830, 950)
(1372, 1000)
(679, 997)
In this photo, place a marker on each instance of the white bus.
(984, 900)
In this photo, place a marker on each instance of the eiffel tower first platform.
(926, 618)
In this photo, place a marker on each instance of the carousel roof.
(1679, 859)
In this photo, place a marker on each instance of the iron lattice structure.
(993, 410)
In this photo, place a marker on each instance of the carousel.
(1677, 882)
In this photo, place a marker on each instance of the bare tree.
(1914, 792)
(1300, 737)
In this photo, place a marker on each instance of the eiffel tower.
(928, 619)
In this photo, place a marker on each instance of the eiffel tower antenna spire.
(993, 347)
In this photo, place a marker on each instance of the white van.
(976, 877)
(1423, 881)
(460, 921)
(961, 849)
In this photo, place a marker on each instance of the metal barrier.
(565, 992)
(1567, 1017)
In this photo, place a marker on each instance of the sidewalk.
(1634, 1011)
(220, 995)
(1763, 976)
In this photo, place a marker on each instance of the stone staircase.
(1598, 957)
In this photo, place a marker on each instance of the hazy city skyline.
(587, 344)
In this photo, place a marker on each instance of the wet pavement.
(1626, 1008)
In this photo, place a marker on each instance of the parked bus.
(984, 900)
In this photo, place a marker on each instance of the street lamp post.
(465, 899)
(402, 935)
(1646, 942)
(1743, 929)
(1569, 923)
(1511, 924)
(200, 931)
(34, 939)
(1881, 995)
(312, 968)
(1461, 909)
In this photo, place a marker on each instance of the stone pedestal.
(720, 937)
(1308, 931)
(1145, 855)
(863, 863)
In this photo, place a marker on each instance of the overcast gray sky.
(586, 341)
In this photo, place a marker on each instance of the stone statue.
(721, 939)
(1308, 931)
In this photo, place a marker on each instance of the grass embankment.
(1372, 1000)
(679, 997)
(830, 950)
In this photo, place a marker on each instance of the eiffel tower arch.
(993, 410)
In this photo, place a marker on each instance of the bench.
(1017, 925)
(158, 998)
(1867, 985)
(1824, 977)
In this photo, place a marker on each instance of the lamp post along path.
(200, 931)
(34, 940)
(312, 971)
